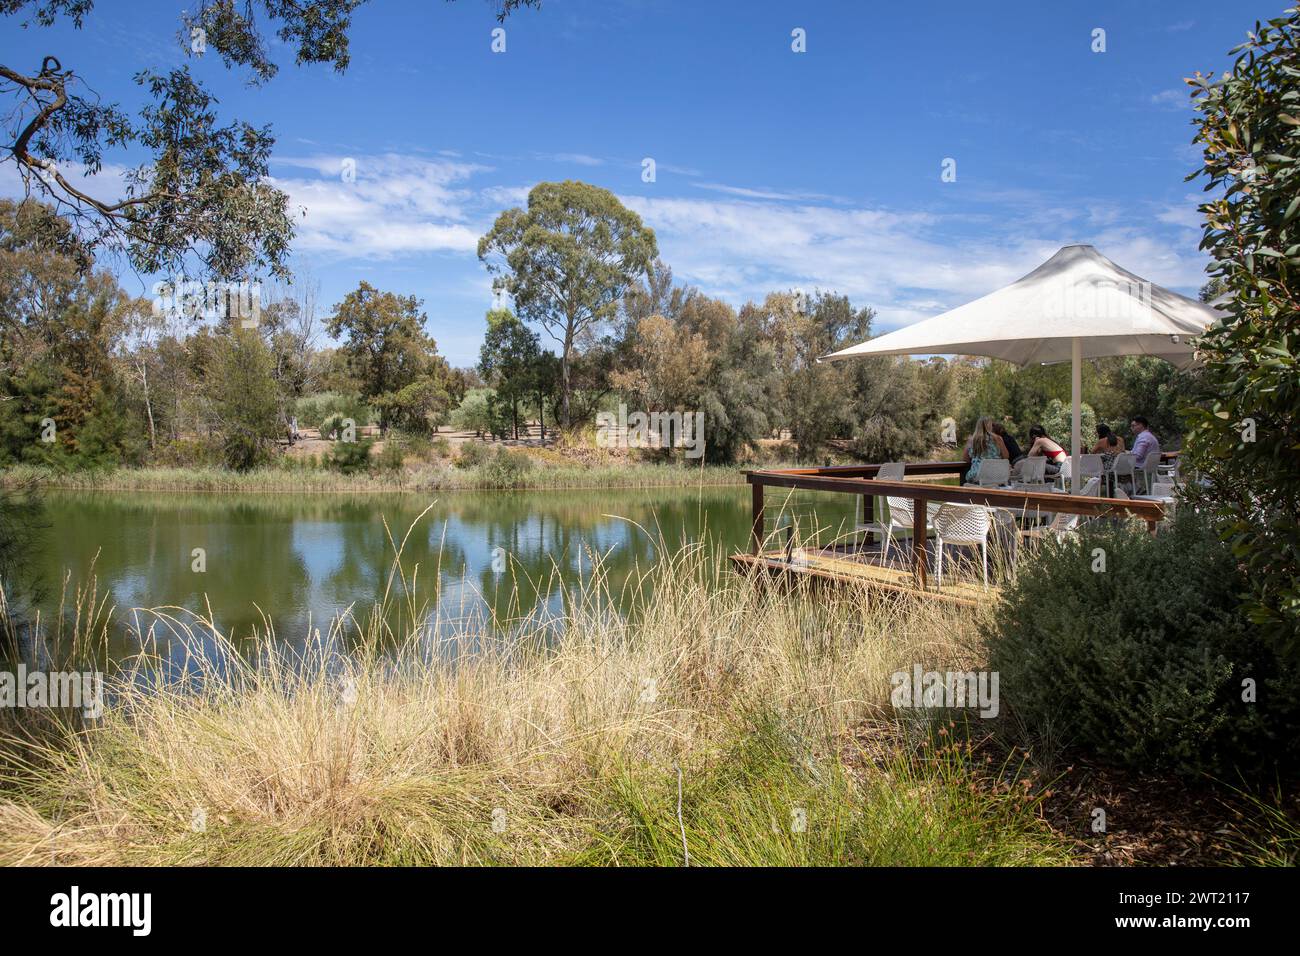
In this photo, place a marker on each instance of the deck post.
(757, 530)
(868, 513)
(920, 550)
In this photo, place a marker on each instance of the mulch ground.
(1150, 819)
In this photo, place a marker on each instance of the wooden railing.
(861, 480)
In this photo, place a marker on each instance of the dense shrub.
(188, 453)
(243, 450)
(316, 408)
(334, 426)
(349, 457)
(472, 454)
(1243, 439)
(391, 457)
(506, 469)
(1142, 663)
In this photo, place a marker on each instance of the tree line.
(92, 376)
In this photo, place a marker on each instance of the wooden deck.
(860, 563)
(842, 566)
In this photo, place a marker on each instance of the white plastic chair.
(1063, 476)
(962, 524)
(1060, 524)
(1090, 487)
(1033, 470)
(1172, 471)
(1163, 492)
(994, 472)
(1125, 466)
(900, 516)
(889, 471)
(1160, 491)
(1091, 466)
(1149, 472)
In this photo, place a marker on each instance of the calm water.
(303, 559)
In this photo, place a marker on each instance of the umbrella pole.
(1076, 392)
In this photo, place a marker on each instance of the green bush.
(188, 453)
(333, 425)
(241, 451)
(472, 454)
(440, 447)
(1243, 434)
(349, 457)
(391, 457)
(1142, 664)
(506, 469)
(316, 408)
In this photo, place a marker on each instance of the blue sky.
(774, 169)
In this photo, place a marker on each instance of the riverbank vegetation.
(722, 719)
(547, 746)
(502, 469)
(92, 378)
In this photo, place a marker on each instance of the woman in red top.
(1042, 444)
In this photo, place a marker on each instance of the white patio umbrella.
(1076, 305)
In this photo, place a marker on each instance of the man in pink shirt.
(1145, 443)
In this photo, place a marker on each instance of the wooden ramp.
(846, 567)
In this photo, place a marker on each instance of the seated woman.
(1042, 444)
(1108, 445)
(983, 443)
(1014, 454)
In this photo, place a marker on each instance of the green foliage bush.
(332, 426)
(1243, 439)
(391, 457)
(349, 457)
(472, 454)
(474, 412)
(499, 467)
(1142, 664)
(188, 453)
(317, 408)
(243, 451)
(506, 469)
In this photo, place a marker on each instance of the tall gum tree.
(567, 260)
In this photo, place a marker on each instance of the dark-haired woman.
(1043, 444)
(1108, 445)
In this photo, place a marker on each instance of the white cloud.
(762, 193)
(907, 265)
(580, 159)
(396, 204)
(1182, 214)
(1172, 99)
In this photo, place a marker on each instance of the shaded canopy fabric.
(1078, 293)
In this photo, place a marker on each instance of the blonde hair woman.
(984, 443)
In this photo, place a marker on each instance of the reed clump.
(710, 719)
